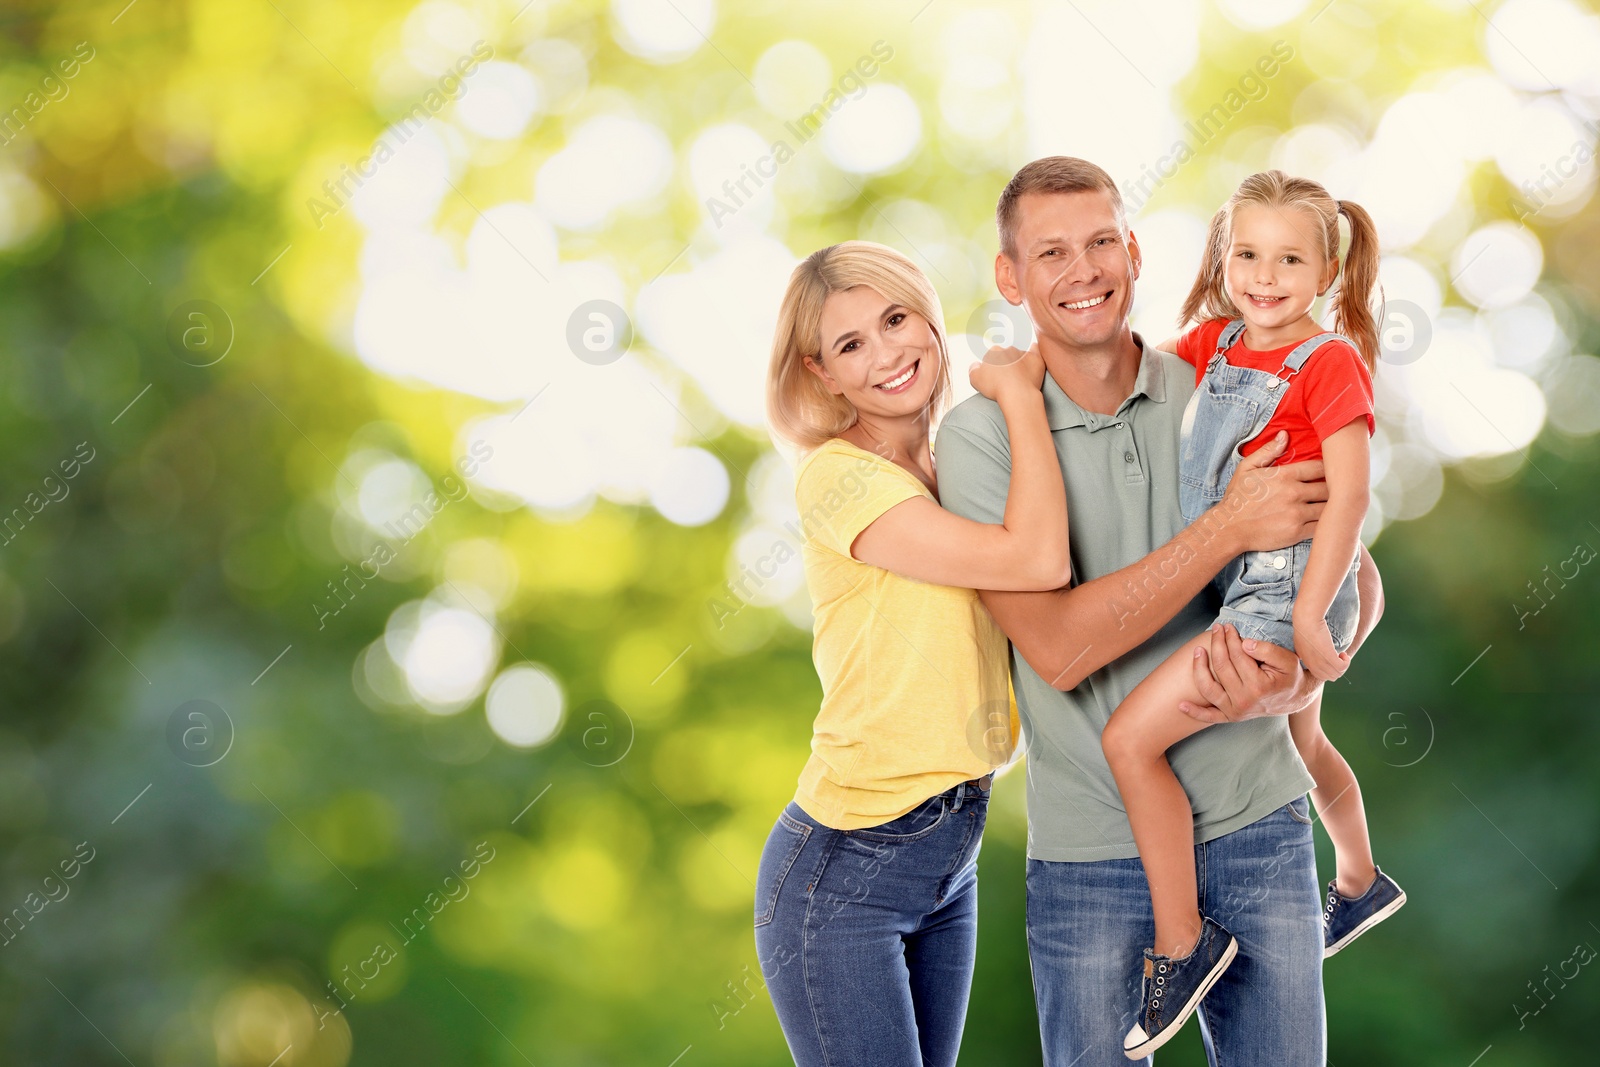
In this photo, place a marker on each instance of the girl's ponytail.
(1208, 298)
(1352, 306)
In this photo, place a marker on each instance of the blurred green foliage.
(612, 923)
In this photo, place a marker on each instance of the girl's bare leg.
(1338, 800)
(1136, 740)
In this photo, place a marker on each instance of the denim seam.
(805, 945)
(955, 863)
(804, 830)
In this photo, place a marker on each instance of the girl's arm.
(1028, 549)
(1333, 546)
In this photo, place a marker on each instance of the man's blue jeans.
(867, 937)
(1088, 922)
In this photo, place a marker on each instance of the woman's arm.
(1333, 546)
(1028, 550)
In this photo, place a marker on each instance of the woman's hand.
(1006, 370)
(1314, 644)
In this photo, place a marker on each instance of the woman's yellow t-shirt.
(915, 686)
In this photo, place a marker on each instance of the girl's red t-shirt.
(1332, 389)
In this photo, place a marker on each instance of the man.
(1140, 589)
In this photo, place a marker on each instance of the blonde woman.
(866, 898)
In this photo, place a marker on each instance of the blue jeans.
(1088, 922)
(866, 938)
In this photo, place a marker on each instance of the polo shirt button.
(1279, 563)
(1127, 457)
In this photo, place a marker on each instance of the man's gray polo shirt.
(1121, 474)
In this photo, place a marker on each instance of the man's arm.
(1068, 634)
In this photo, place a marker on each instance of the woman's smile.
(900, 382)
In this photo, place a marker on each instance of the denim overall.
(1231, 406)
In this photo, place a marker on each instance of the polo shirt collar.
(1063, 412)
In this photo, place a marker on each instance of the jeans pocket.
(788, 837)
(920, 821)
(1299, 809)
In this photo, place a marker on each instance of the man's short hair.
(1052, 174)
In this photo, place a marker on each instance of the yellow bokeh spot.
(581, 886)
(684, 763)
(260, 1022)
(647, 673)
(594, 556)
(716, 873)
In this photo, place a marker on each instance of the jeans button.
(1279, 563)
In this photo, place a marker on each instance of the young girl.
(1263, 365)
(866, 895)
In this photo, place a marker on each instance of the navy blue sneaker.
(1347, 918)
(1174, 988)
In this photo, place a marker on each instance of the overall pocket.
(1265, 584)
(789, 835)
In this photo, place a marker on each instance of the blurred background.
(394, 668)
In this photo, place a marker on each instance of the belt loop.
(960, 792)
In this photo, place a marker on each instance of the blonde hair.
(800, 409)
(1052, 174)
(1352, 311)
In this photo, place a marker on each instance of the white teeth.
(1080, 305)
(895, 383)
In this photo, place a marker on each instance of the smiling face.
(882, 357)
(1074, 267)
(1275, 266)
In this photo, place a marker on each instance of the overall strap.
(1225, 340)
(1303, 351)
